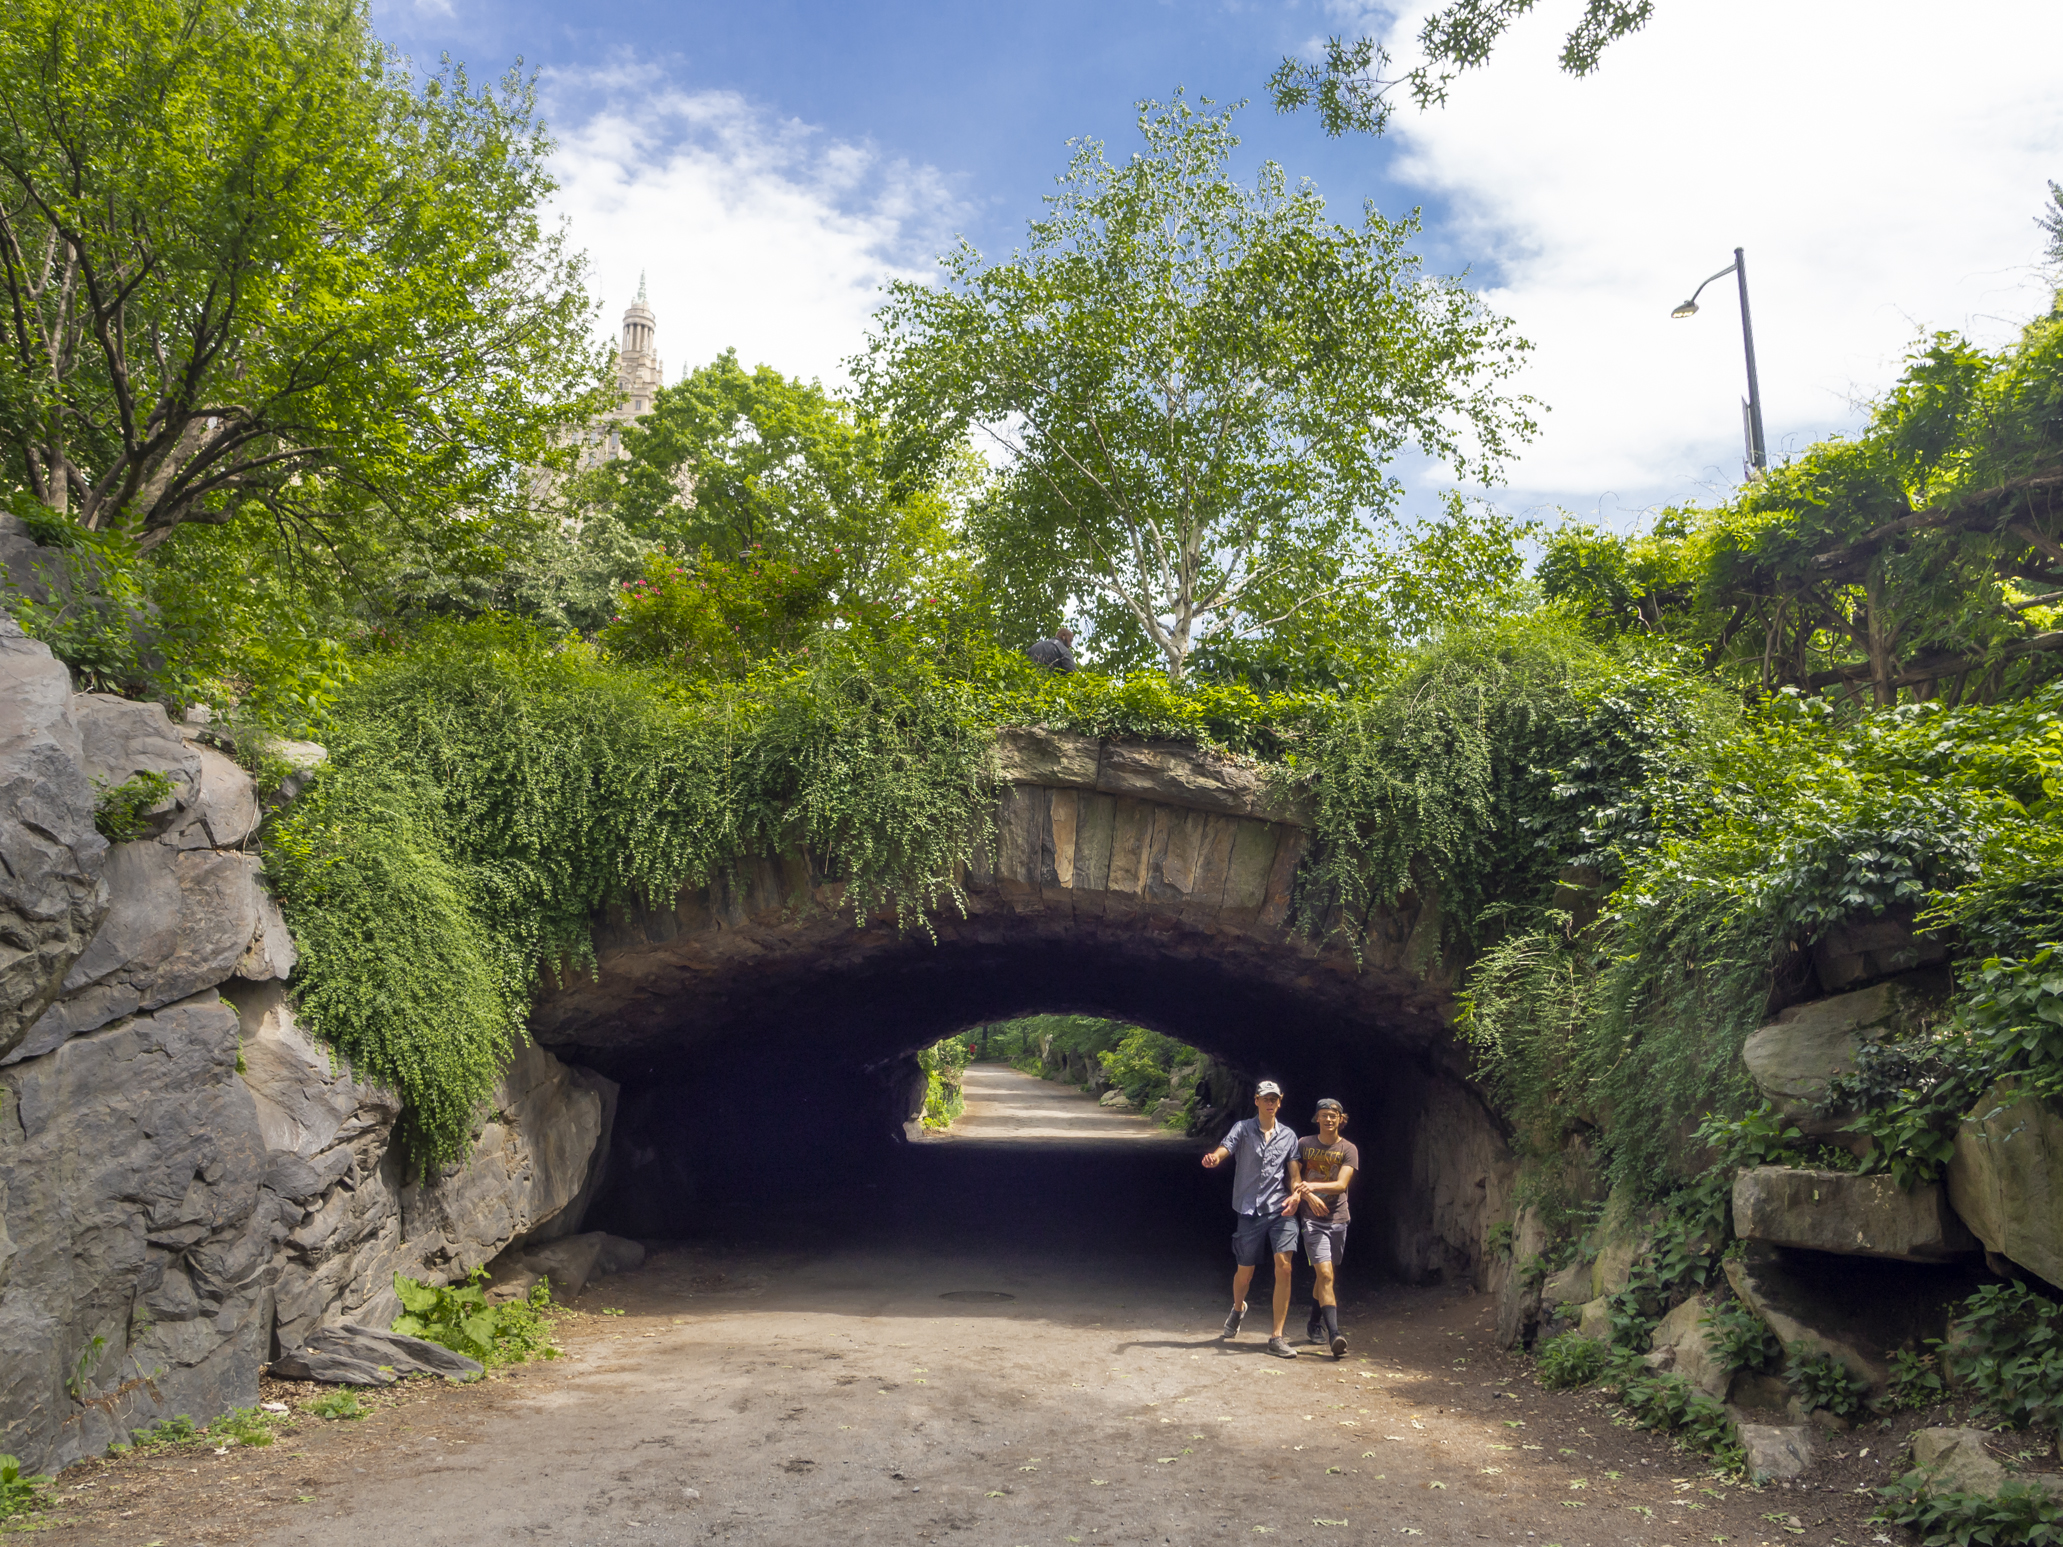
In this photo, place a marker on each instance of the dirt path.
(835, 1383)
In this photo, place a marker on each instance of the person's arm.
(1223, 1152)
(1335, 1186)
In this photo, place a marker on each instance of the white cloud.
(753, 231)
(1881, 163)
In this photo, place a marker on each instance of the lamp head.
(1688, 309)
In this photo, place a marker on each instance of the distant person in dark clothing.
(1057, 652)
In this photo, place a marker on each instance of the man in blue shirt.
(1264, 1204)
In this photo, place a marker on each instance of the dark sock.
(1332, 1319)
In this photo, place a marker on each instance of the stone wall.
(188, 1184)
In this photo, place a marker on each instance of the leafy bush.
(20, 1492)
(1141, 1064)
(332, 1405)
(118, 813)
(1821, 1380)
(167, 1431)
(2007, 1347)
(1740, 1339)
(1572, 1360)
(717, 618)
(945, 1066)
(242, 1426)
(459, 1318)
(1916, 1380)
(1670, 1404)
(2021, 1513)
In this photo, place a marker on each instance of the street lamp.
(1751, 411)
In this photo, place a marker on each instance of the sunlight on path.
(1003, 1103)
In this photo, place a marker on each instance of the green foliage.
(334, 1405)
(20, 1492)
(1822, 1380)
(1741, 1340)
(1765, 1137)
(1916, 1380)
(242, 1426)
(1572, 1360)
(1200, 388)
(2022, 1513)
(459, 1318)
(1141, 1064)
(715, 618)
(177, 1430)
(1670, 1404)
(118, 813)
(292, 275)
(944, 1064)
(2007, 1348)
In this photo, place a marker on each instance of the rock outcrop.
(2006, 1180)
(1837, 1211)
(188, 1184)
(349, 1355)
(52, 895)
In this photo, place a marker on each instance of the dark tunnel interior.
(804, 1090)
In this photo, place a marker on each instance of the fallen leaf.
(1317, 1521)
(1436, 1485)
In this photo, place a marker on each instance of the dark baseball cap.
(1327, 1104)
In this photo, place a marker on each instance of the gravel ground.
(830, 1386)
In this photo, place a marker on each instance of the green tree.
(1352, 91)
(1200, 386)
(743, 462)
(252, 262)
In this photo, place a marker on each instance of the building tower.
(640, 373)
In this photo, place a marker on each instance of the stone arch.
(1151, 882)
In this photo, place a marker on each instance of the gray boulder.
(2006, 1179)
(140, 1237)
(52, 895)
(1571, 1286)
(350, 1355)
(1792, 1059)
(571, 1263)
(1835, 1211)
(1117, 1100)
(1684, 1336)
(1956, 1461)
(1775, 1451)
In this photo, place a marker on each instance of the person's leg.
(1247, 1240)
(1241, 1277)
(1321, 1288)
(1282, 1261)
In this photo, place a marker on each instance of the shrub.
(1916, 1380)
(1141, 1063)
(2006, 1348)
(1670, 1403)
(20, 1492)
(459, 1318)
(332, 1405)
(1821, 1380)
(1741, 1340)
(118, 813)
(242, 1426)
(945, 1066)
(2021, 1513)
(1572, 1360)
(167, 1431)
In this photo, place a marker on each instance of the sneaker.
(1280, 1348)
(1232, 1323)
(1314, 1331)
(1339, 1345)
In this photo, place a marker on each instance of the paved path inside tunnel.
(1007, 1103)
(994, 1340)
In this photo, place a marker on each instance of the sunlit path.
(1006, 1103)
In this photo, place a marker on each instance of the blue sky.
(771, 164)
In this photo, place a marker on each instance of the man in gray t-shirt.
(1264, 1204)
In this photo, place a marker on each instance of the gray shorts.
(1254, 1235)
(1325, 1240)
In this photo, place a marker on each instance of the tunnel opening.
(773, 1096)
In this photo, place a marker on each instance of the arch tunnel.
(1145, 884)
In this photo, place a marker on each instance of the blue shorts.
(1256, 1234)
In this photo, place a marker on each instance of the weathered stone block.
(1855, 1308)
(1792, 1059)
(1775, 1451)
(1571, 1286)
(351, 1355)
(2006, 1179)
(1682, 1332)
(1835, 1211)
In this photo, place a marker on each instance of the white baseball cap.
(1267, 1088)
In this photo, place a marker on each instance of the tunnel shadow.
(779, 1113)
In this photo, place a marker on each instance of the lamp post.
(1751, 411)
